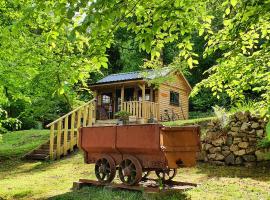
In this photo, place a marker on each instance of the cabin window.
(174, 98)
(106, 99)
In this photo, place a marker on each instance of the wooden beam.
(122, 95)
(143, 101)
(151, 94)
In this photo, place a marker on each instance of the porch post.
(143, 102)
(95, 106)
(122, 96)
(151, 94)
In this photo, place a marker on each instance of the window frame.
(173, 99)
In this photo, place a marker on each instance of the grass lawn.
(53, 180)
(42, 180)
(18, 143)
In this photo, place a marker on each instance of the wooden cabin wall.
(177, 84)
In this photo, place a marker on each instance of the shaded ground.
(37, 180)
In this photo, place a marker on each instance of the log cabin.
(139, 94)
(150, 96)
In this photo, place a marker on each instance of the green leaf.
(190, 62)
(227, 11)
(268, 130)
(233, 3)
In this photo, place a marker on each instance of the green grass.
(189, 121)
(18, 143)
(43, 180)
(53, 180)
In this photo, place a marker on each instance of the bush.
(123, 115)
(11, 124)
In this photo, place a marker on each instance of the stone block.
(234, 147)
(207, 146)
(255, 125)
(237, 140)
(240, 152)
(243, 145)
(260, 133)
(238, 161)
(230, 159)
(245, 126)
(218, 142)
(219, 157)
(225, 153)
(215, 149)
(235, 129)
(211, 156)
(249, 158)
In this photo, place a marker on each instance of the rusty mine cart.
(135, 150)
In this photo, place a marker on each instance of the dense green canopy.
(49, 50)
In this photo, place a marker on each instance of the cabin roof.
(137, 75)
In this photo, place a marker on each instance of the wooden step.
(37, 156)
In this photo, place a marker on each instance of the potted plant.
(122, 117)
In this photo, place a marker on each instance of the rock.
(219, 156)
(218, 142)
(234, 148)
(255, 125)
(237, 140)
(249, 158)
(230, 159)
(229, 140)
(243, 145)
(225, 153)
(207, 146)
(245, 126)
(218, 163)
(244, 139)
(211, 156)
(261, 156)
(251, 132)
(238, 161)
(235, 129)
(250, 150)
(240, 152)
(250, 164)
(201, 155)
(259, 133)
(240, 116)
(252, 140)
(215, 149)
(225, 148)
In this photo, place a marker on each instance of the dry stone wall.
(237, 144)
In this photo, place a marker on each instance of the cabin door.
(106, 108)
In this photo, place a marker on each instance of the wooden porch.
(135, 97)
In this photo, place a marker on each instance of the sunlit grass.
(18, 143)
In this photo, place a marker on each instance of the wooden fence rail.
(140, 110)
(64, 134)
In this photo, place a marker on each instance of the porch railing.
(64, 134)
(141, 110)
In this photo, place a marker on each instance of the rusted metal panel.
(98, 139)
(180, 145)
(155, 146)
(138, 139)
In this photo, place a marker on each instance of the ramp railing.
(64, 134)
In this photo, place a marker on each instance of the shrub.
(11, 124)
(123, 115)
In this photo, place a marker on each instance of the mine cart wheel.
(166, 174)
(130, 171)
(105, 169)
